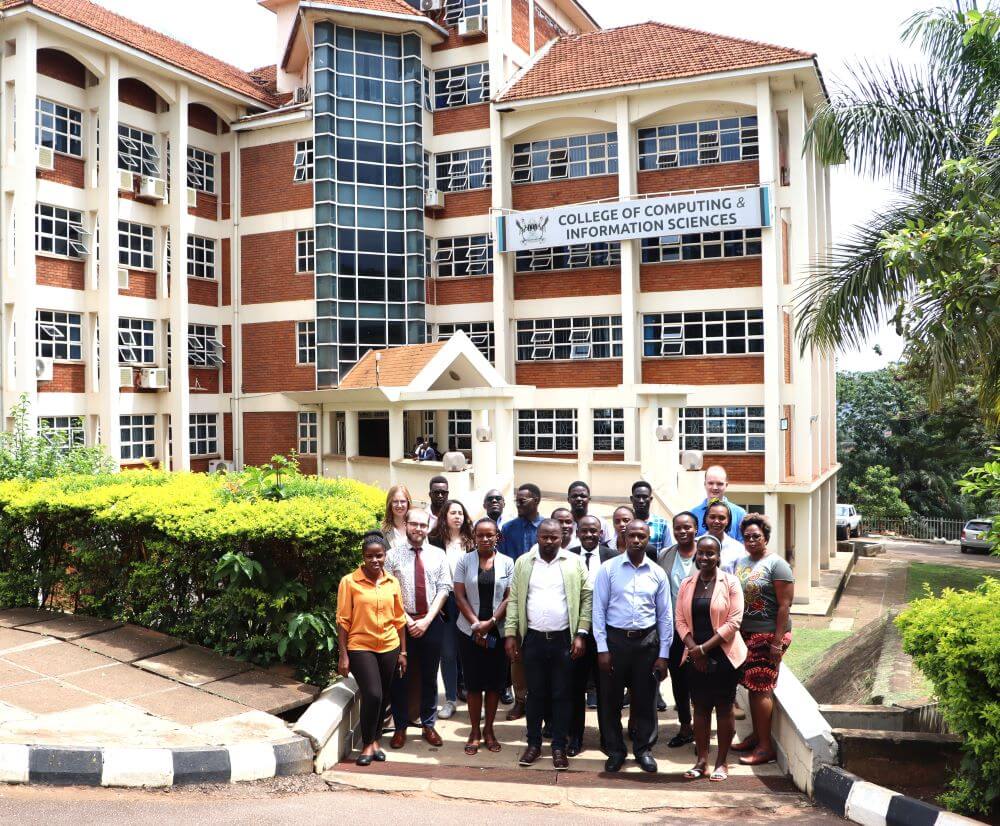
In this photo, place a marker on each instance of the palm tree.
(905, 123)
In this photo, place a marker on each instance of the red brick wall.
(462, 118)
(227, 356)
(454, 41)
(519, 26)
(225, 186)
(556, 193)
(136, 93)
(61, 66)
(265, 434)
(740, 467)
(463, 204)
(225, 267)
(266, 180)
(227, 436)
(704, 370)
(268, 269)
(713, 274)
(203, 291)
(141, 284)
(66, 378)
(203, 118)
(603, 281)
(208, 206)
(269, 366)
(699, 177)
(207, 378)
(582, 373)
(200, 465)
(544, 31)
(68, 170)
(59, 272)
(460, 290)
(547, 454)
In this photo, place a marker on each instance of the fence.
(917, 527)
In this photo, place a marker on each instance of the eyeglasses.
(753, 537)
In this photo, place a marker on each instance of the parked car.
(973, 536)
(848, 521)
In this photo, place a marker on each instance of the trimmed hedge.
(247, 564)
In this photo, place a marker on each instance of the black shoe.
(661, 704)
(364, 760)
(646, 762)
(614, 763)
(547, 731)
(679, 740)
(463, 695)
(507, 698)
(573, 746)
(591, 699)
(379, 756)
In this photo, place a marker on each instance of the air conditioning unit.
(433, 199)
(122, 278)
(43, 369)
(471, 26)
(431, 5)
(126, 181)
(126, 377)
(220, 466)
(45, 157)
(153, 188)
(154, 378)
(192, 197)
(302, 94)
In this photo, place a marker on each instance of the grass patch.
(808, 647)
(939, 577)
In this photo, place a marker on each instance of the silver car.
(974, 536)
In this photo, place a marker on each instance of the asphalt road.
(936, 554)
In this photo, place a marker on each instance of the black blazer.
(607, 552)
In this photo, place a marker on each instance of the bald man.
(716, 485)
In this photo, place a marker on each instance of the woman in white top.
(453, 534)
(718, 517)
(397, 502)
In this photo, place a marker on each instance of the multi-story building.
(237, 249)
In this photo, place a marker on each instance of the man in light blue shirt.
(716, 483)
(633, 628)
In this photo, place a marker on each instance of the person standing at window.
(397, 503)
(370, 621)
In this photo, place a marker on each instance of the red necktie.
(419, 585)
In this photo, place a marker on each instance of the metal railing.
(917, 527)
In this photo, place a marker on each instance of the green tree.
(984, 482)
(877, 496)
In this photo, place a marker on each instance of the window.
(462, 85)
(546, 339)
(731, 429)
(306, 335)
(309, 432)
(65, 431)
(713, 332)
(135, 245)
(575, 256)
(200, 257)
(303, 161)
(609, 430)
(58, 335)
(479, 332)
(734, 243)
(58, 127)
(702, 142)
(464, 255)
(460, 430)
(201, 169)
(203, 434)
(138, 437)
(137, 151)
(204, 347)
(456, 10)
(462, 170)
(575, 157)
(546, 431)
(60, 231)
(136, 341)
(305, 250)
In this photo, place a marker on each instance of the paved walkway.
(71, 680)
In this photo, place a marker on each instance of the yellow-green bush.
(247, 564)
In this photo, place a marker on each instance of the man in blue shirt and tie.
(716, 483)
(633, 628)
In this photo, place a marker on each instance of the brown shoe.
(516, 711)
(531, 754)
(398, 739)
(431, 736)
(559, 760)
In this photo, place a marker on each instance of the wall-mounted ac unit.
(302, 94)
(192, 197)
(220, 465)
(431, 5)
(154, 378)
(126, 377)
(122, 278)
(471, 26)
(433, 199)
(126, 180)
(45, 157)
(43, 369)
(153, 188)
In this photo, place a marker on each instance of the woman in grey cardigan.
(482, 583)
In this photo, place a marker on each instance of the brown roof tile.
(385, 6)
(397, 368)
(639, 54)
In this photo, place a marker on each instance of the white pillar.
(396, 445)
(627, 172)
(774, 511)
(584, 442)
(815, 507)
(825, 527)
(484, 454)
(803, 568)
(350, 440)
(503, 263)
(504, 442)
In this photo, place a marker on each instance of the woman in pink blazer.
(709, 611)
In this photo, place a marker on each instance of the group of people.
(544, 612)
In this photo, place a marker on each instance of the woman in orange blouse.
(369, 620)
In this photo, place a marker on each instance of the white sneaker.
(447, 710)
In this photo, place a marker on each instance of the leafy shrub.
(877, 497)
(984, 483)
(201, 557)
(955, 640)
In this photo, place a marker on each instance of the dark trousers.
(549, 671)
(632, 667)
(678, 682)
(374, 673)
(426, 651)
(583, 669)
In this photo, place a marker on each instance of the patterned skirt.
(759, 673)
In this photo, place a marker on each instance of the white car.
(848, 521)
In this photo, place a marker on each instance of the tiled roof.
(639, 54)
(128, 32)
(397, 368)
(384, 6)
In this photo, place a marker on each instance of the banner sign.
(639, 218)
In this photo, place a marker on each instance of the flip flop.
(493, 745)
(721, 773)
(695, 773)
(472, 749)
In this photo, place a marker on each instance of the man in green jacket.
(548, 618)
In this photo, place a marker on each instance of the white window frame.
(304, 161)
(699, 333)
(453, 85)
(609, 430)
(136, 246)
(464, 255)
(305, 337)
(137, 151)
(70, 429)
(201, 257)
(308, 433)
(566, 339)
(201, 170)
(544, 426)
(717, 429)
(456, 10)
(480, 333)
(55, 121)
(203, 434)
(144, 446)
(64, 236)
(204, 347)
(575, 156)
(463, 170)
(460, 430)
(696, 143)
(305, 251)
(701, 246)
(59, 335)
(136, 341)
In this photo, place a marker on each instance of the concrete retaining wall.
(329, 723)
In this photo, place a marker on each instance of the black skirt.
(484, 669)
(715, 687)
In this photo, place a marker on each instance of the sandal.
(758, 758)
(492, 744)
(695, 773)
(749, 744)
(721, 773)
(472, 748)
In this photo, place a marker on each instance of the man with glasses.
(493, 504)
(437, 495)
(425, 580)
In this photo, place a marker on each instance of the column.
(441, 430)
(350, 440)
(773, 510)
(631, 330)
(815, 506)
(503, 263)
(803, 567)
(484, 454)
(503, 439)
(825, 527)
(584, 442)
(396, 435)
